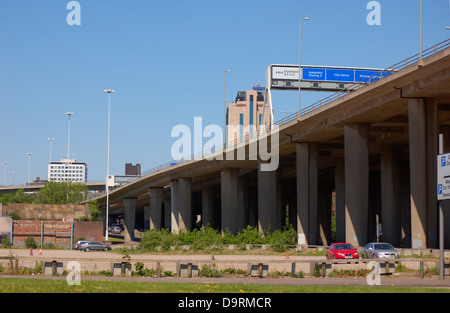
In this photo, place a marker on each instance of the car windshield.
(346, 246)
(383, 246)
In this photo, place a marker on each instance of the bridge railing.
(437, 48)
(413, 60)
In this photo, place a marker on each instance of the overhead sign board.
(443, 176)
(320, 78)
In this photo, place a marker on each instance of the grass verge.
(27, 285)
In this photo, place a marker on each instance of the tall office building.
(67, 170)
(246, 114)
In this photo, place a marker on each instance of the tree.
(62, 193)
(19, 197)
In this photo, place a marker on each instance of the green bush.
(210, 270)
(6, 243)
(208, 238)
(30, 242)
(249, 235)
(154, 238)
(282, 239)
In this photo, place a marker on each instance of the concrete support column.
(418, 172)
(229, 188)
(356, 138)
(432, 142)
(324, 206)
(185, 203)
(146, 217)
(129, 218)
(208, 206)
(174, 206)
(156, 198)
(307, 192)
(339, 183)
(267, 199)
(242, 203)
(167, 211)
(390, 193)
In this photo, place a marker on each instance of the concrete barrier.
(121, 269)
(52, 268)
(257, 269)
(187, 270)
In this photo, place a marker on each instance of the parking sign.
(443, 176)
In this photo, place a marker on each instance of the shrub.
(209, 270)
(281, 239)
(6, 243)
(30, 242)
(158, 238)
(249, 235)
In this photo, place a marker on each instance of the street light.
(224, 111)
(29, 165)
(51, 139)
(69, 114)
(109, 92)
(300, 76)
(5, 163)
(420, 63)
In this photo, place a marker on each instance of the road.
(411, 280)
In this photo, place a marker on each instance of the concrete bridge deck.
(374, 149)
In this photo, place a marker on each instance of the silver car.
(375, 250)
(92, 245)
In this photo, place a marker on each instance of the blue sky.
(166, 59)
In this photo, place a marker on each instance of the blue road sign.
(340, 75)
(314, 74)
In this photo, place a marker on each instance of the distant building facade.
(132, 170)
(67, 170)
(247, 114)
(131, 173)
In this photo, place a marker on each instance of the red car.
(342, 251)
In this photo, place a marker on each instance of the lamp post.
(29, 165)
(51, 139)
(69, 114)
(5, 163)
(109, 92)
(224, 111)
(300, 76)
(420, 35)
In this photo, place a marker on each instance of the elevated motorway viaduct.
(374, 149)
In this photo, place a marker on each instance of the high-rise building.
(247, 114)
(67, 170)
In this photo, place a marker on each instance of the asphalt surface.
(411, 280)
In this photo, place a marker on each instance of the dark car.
(92, 245)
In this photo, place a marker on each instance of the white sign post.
(443, 193)
(443, 176)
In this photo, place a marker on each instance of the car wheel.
(86, 250)
(105, 249)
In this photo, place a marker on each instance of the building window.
(241, 127)
(251, 116)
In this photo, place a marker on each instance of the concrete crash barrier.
(187, 270)
(326, 267)
(52, 268)
(257, 269)
(121, 269)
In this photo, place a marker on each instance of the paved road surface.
(326, 281)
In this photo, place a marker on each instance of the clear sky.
(166, 60)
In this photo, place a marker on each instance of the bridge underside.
(367, 157)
